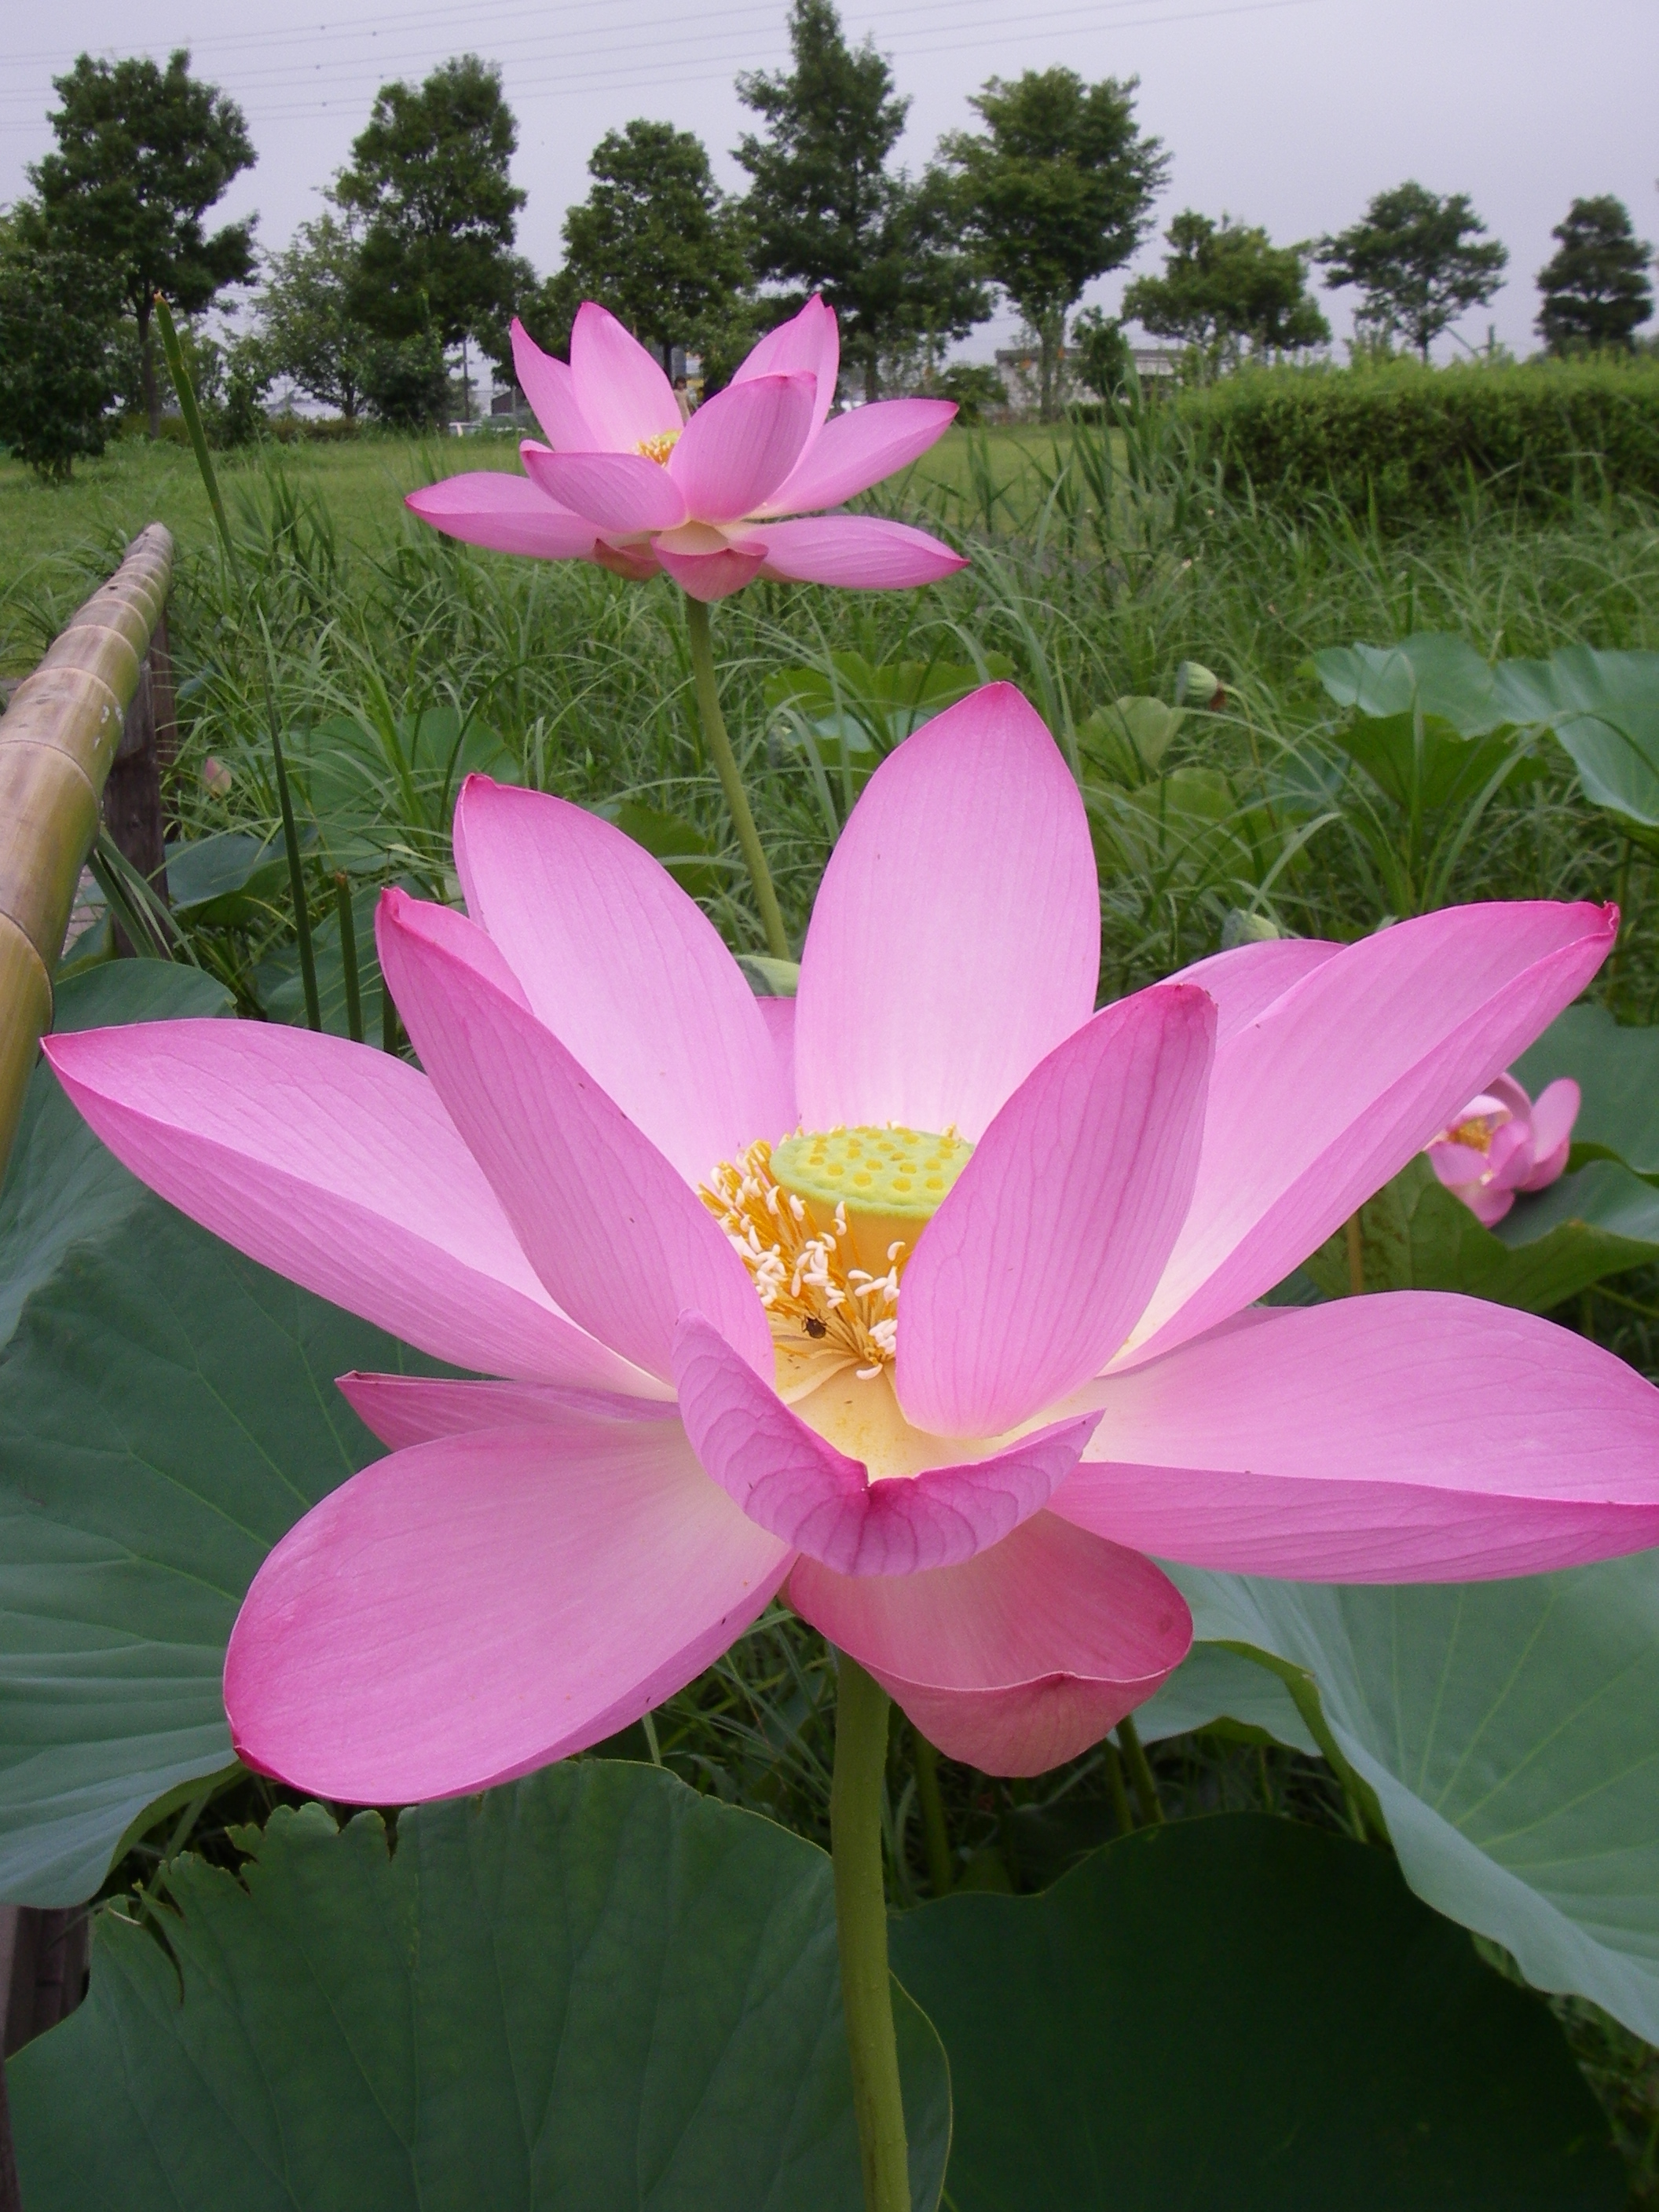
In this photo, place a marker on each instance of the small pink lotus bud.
(1503, 1142)
(215, 777)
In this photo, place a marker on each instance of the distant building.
(1021, 369)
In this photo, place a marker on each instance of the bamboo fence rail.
(59, 738)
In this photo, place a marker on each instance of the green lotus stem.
(1140, 1772)
(296, 876)
(192, 414)
(726, 761)
(1356, 1237)
(1119, 1794)
(861, 1714)
(388, 1021)
(349, 954)
(935, 1834)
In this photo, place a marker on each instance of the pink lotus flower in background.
(625, 483)
(925, 1296)
(1503, 1142)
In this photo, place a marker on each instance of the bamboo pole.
(57, 740)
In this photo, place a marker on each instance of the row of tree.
(416, 256)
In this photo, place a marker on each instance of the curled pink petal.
(739, 446)
(339, 1167)
(1246, 982)
(786, 1478)
(1414, 1437)
(413, 1409)
(809, 340)
(472, 1607)
(859, 552)
(956, 939)
(508, 514)
(1018, 1659)
(550, 388)
(624, 968)
(858, 449)
(1042, 1256)
(615, 491)
(1331, 1090)
(710, 576)
(1554, 1111)
(596, 1206)
(620, 389)
(1490, 1204)
(1457, 1165)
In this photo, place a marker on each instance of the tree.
(308, 329)
(827, 215)
(1595, 286)
(58, 318)
(1420, 260)
(1057, 190)
(1225, 283)
(1105, 359)
(142, 154)
(429, 176)
(655, 241)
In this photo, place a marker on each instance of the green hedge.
(1412, 439)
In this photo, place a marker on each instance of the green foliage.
(1103, 355)
(1057, 189)
(1617, 1072)
(430, 178)
(1408, 444)
(1595, 286)
(1243, 2013)
(974, 387)
(658, 244)
(307, 328)
(1420, 259)
(1224, 285)
(142, 154)
(406, 382)
(58, 352)
(592, 1988)
(826, 213)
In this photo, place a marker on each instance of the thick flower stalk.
(926, 1296)
(735, 493)
(1503, 1142)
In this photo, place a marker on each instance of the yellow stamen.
(1477, 1133)
(658, 447)
(824, 1224)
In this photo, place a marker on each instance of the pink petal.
(1246, 982)
(739, 446)
(470, 1608)
(710, 576)
(627, 971)
(779, 1016)
(858, 449)
(615, 491)
(1553, 1113)
(1019, 1659)
(619, 388)
(338, 1167)
(508, 514)
(412, 1409)
(1457, 1165)
(808, 341)
(1415, 1437)
(955, 940)
(1489, 1206)
(550, 388)
(595, 1205)
(786, 1478)
(1510, 1155)
(859, 552)
(1332, 1089)
(1041, 1259)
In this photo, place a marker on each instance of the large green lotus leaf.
(1433, 765)
(167, 1411)
(1618, 1072)
(1604, 708)
(1435, 671)
(1552, 1244)
(1242, 2014)
(1508, 1732)
(593, 1990)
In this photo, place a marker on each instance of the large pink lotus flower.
(625, 483)
(927, 1294)
(1503, 1142)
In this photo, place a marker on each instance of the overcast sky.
(1285, 112)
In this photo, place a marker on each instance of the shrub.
(1411, 438)
(57, 355)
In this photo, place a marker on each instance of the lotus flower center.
(659, 446)
(1476, 1132)
(824, 1224)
